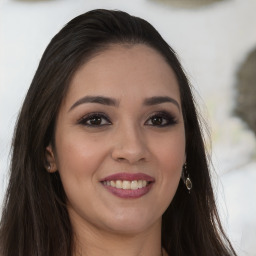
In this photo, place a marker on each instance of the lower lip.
(129, 193)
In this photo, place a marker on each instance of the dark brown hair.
(35, 221)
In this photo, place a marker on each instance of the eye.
(161, 119)
(95, 119)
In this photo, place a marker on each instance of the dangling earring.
(49, 167)
(185, 177)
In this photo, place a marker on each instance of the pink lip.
(129, 193)
(129, 177)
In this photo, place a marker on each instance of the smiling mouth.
(126, 184)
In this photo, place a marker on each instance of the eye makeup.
(161, 119)
(95, 119)
(156, 119)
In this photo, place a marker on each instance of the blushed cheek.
(77, 163)
(173, 163)
(172, 167)
(172, 152)
(172, 157)
(79, 157)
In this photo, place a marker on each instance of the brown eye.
(161, 119)
(157, 120)
(95, 119)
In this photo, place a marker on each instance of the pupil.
(157, 120)
(96, 120)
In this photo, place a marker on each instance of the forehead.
(120, 71)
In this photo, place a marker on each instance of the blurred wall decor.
(246, 91)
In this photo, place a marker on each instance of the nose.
(129, 145)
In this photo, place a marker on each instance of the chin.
(130, 224)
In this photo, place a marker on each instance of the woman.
(108, 156)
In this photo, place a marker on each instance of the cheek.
(170, 150)
(171, 161)
(170, 156)
(78, 156)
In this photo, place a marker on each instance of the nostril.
(120, 159)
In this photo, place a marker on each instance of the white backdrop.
(212, 42)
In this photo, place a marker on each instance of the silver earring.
(186, 179)
(49, 167)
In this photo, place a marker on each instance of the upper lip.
(128, 176)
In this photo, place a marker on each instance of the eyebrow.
(95, 99)
(112, 102)
(160, 99)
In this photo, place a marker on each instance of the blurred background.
(216, 43)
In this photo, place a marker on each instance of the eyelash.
(163, 116)
(85, 119)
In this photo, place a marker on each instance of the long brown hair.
(35, 221)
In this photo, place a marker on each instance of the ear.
(50, 159)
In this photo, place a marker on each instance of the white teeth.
(119, 184)
(126, 184)
(134, 184)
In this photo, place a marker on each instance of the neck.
(93, 241)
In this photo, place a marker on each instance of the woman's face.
(120, 141)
